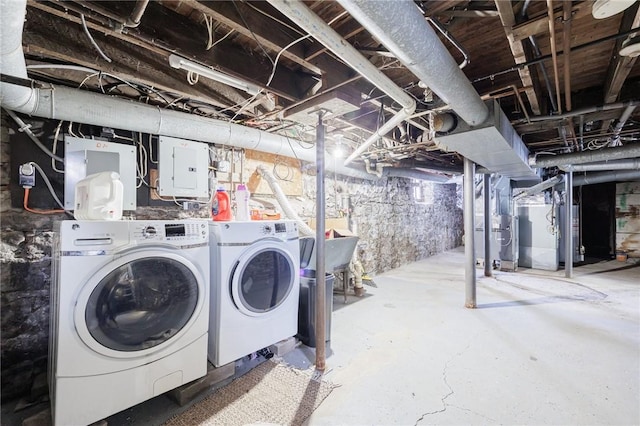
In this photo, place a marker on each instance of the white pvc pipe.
(284, 201)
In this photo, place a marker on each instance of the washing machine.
(254, 287)
(129, 314)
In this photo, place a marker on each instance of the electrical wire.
(284, 24)
(246, 25)
(275, 63)
(93, 42)
(25, 204)
(26, 128)
(54, 148)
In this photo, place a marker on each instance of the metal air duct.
(403, 30)
(495, 145)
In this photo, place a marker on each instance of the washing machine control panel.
(178, 232)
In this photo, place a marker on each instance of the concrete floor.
(540, 349)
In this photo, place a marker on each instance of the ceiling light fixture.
(631, 47)
(185, 64)
(606, 8)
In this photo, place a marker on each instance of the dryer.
(129, 314)
(254, 287)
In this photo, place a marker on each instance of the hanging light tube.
(185, 64)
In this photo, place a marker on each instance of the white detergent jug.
(99, 197)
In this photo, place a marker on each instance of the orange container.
(221, 206)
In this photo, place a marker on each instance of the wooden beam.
(173, 33)
(55, 39)
(508, 19)
(470, 13)
(259, 26)
(620, 66)
(540, 24)
(433, 8)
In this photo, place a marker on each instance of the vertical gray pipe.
(487, 224)
(320, 253)
(469, 230)
(568, 225)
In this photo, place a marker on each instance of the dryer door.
(262, 278)
(136, 304)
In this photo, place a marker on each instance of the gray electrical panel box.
(183, 168)
(84, 157)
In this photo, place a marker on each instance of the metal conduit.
(397, 25)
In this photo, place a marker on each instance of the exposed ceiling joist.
(257, 26)
(508, 19)
(620, 66)
(540, 24)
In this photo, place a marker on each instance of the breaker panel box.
(84, 157)
(183, 168)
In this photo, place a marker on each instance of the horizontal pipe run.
(604, 154)
(626, 164)
(536, 189)
(68, 104)
(603, 177)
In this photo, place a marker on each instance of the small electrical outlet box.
(191, 205)
(27, 175)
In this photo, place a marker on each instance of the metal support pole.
(568, 225)
(320, 248)
(469, 230)
(487, 224)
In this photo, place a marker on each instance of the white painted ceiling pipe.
(401, 28)
(306, 19)
(64, 103)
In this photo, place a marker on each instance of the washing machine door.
(262, 278)
(139, 303)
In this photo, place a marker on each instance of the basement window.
(423, 192)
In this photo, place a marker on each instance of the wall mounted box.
(83, 157)
(183, 168)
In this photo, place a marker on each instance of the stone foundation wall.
(393, 230)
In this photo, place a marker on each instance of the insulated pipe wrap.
(306, 19)
(604, 154)
(402, 29)
(11, 57)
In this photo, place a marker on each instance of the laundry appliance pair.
(129, 314)
(136, 306)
